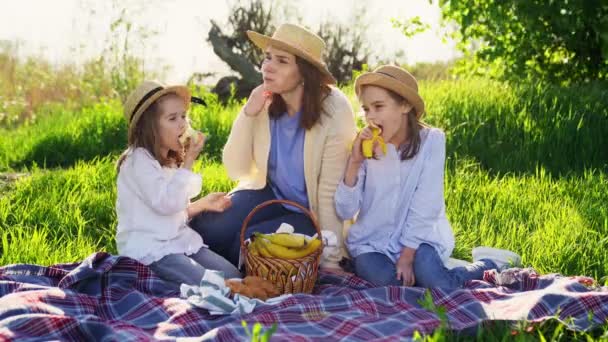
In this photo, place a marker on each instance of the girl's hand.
(192, 150)
(356, 155)
(405, 267)
(216, 202)
(378, 151)
(256, 101)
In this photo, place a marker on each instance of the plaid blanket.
(114, 298)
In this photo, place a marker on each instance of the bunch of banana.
(282, 245)
(367, 146)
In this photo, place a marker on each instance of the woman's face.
(280, 71)
(172, 123)
(383, 111)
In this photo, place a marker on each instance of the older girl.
(402, 235)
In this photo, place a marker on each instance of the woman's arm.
(238, 151)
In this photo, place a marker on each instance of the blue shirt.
(286, 160)
(400, 203)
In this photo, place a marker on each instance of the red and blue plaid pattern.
(116, 298)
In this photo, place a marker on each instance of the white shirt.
(400, 203)
(152, 207)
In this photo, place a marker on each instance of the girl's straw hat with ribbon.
(298, 41)
(395, 79)
(146, 93)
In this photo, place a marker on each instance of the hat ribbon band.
(144, 99)
(386, 74)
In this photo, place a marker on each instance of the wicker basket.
(289, 275)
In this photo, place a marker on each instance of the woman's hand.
(405, 266)
(192, 150)
(256, 101)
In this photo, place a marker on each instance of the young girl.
(155, 185)
(402, 235)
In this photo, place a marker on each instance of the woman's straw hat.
(144, 95)
(396, 79)
(298, 41)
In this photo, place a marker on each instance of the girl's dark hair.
(147, 136)
(316, 89)
(411, 147)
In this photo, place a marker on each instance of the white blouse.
(152, 207)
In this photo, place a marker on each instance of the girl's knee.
(372, 271)
(424, 255)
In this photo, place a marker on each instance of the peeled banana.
(190, 133)
(367, 146)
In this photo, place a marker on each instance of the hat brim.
(181, 91)
(263, 41)
(387, 82)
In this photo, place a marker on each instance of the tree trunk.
(250, 77)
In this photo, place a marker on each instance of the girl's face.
(280, 71)
(172, 123)
(382, 110)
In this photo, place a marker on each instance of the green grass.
(527, 170)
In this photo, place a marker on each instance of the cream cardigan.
(326, 149)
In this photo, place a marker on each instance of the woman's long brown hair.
(316, 89)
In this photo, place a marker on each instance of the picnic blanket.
(113, 298)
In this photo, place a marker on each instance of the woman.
(290, 141)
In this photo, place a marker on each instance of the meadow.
(527, 170)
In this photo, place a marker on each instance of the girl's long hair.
(316, 89)
(147, 136)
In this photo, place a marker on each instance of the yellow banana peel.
(367, 146)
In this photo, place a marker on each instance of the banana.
(253, 248)
(286, 240)
(190, 133)
(282, 252)
(367, 146)
(261, 246)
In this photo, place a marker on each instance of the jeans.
(429, 270)
(189, 269)
(222, 231)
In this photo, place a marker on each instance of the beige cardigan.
(326, 148)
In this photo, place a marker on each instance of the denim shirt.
(286, 160)
(400, 203)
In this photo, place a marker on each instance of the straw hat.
(298, 41)
(396, 79)
(144, 95)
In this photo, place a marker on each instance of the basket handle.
(310, 214)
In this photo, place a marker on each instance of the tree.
(346, 49)
(558, 40)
